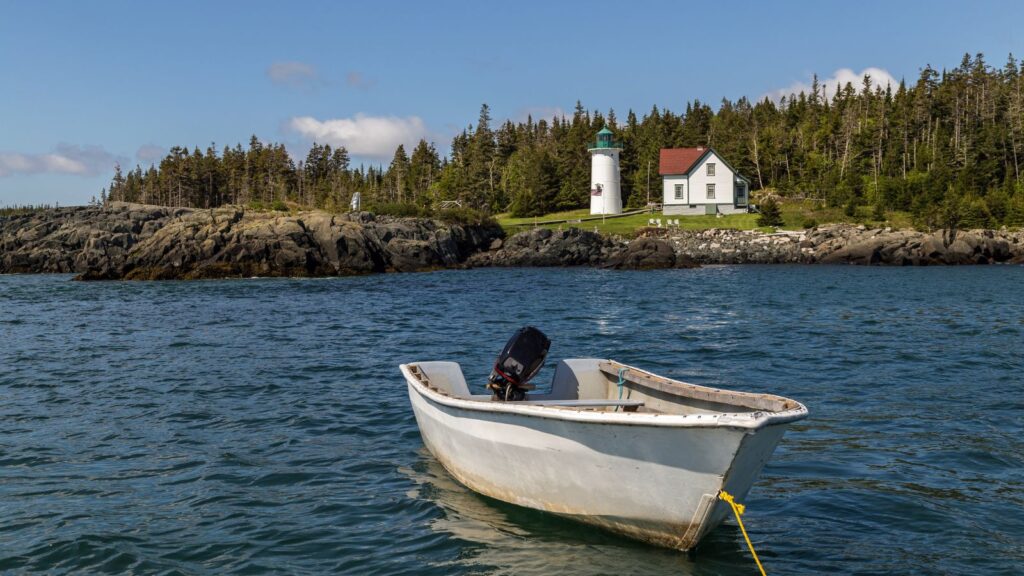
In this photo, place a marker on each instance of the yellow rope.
(738, 509)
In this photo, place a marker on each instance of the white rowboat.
(646, 459)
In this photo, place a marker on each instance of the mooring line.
(738, 509)
(621, 382)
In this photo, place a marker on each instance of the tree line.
(947, 147)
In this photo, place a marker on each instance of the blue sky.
(87, 84)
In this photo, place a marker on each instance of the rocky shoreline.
(138, 242)
(849, 244)
(542, 247)
(835, 244)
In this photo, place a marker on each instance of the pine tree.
(481, 166)
(397, 176)
(424, 170)
(530, 181)
(771, 213)
(117, 184)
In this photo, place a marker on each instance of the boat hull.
(658, 484)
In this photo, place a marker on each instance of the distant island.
(915, 174)
(943, 151)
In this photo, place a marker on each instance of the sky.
(85, 85)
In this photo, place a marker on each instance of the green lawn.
(626, 225)
(796, 215)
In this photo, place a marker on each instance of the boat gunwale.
(746, 420)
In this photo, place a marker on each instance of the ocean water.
(262, 426)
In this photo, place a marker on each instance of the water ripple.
(261, 426)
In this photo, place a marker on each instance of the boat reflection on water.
(505, 539)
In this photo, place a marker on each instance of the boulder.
(408, 255)
(644, 254)
(544, 247)
(868, 252)
(933, 249)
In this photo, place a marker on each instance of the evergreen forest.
(947, 147)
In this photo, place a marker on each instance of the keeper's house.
(698, 181)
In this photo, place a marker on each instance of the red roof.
(679, 160)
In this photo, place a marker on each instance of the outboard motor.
(518, 362)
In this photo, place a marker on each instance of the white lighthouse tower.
(605, 193)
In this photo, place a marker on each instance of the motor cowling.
(518, 362)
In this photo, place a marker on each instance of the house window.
(679, 191)
(711, 169)
(711, 191)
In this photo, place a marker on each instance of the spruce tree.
(771, 213)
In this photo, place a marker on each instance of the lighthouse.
(605, 193)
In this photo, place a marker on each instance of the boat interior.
(606, 385)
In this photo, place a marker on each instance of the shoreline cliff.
(141, 242)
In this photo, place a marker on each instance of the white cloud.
(879, 77)
(65, 159)
(295, 74)
(368, 136)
